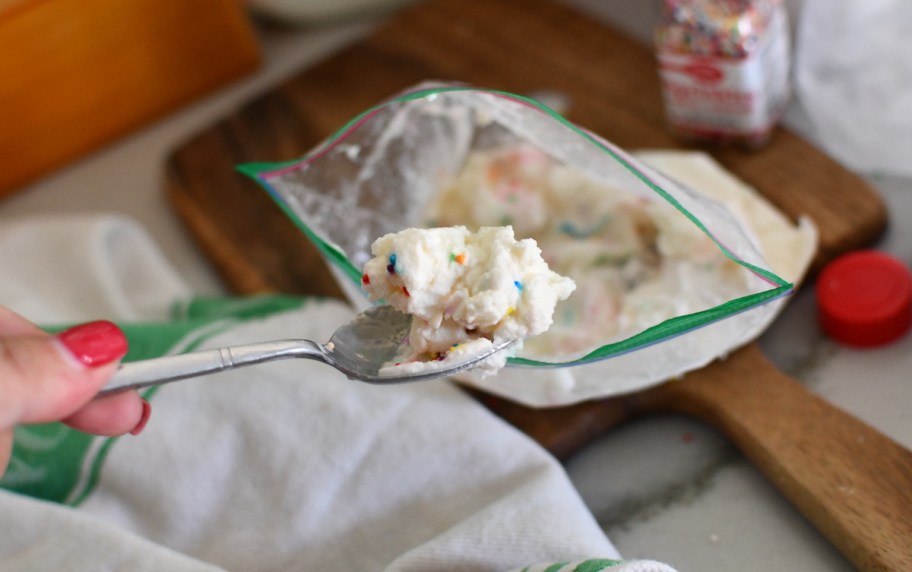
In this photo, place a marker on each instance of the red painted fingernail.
(94, 343)
(146, 412)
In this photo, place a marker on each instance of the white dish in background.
(315, 12)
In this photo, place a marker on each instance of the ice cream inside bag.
(668, 279)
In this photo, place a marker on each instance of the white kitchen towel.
(853, 79)
(282, 466)
(60, 268)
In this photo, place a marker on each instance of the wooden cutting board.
(854, 484)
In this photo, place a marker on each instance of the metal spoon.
(358, 349)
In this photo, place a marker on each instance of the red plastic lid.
(865, 299)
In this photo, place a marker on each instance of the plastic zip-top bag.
(667, 279)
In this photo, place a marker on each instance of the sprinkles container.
(724, 67)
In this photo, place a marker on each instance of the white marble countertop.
(664, 487)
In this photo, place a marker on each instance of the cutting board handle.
(851, 481)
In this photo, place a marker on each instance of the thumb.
(46, 378)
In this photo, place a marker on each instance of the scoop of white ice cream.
(463, 287)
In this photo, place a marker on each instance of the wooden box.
(75, 74)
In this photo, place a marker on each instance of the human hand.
(47, 378)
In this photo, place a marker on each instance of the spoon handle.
(146, 373)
